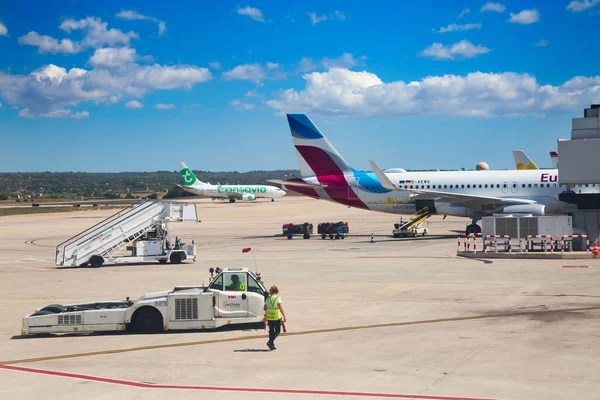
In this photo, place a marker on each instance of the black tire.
(396, 235)
(163, 261)
(331, 237)
(96, 261)
(323, 236)
(473, 228)
(342, 237)
(175, 258)
(54, 308)
(147, 320)
(272, 200)
(232, 200)
(306, 236)
(289, 237)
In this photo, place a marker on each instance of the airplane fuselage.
(363, 190)
(227, 191)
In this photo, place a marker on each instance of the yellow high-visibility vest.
(273, 313)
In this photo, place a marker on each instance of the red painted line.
(228, 389)
(575, 266)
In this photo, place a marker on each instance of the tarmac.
(399, 318)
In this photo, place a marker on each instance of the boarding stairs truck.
(413, 226)
(234, 296)
(141, 230)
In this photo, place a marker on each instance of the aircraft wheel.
(473, 228)
(232, 200)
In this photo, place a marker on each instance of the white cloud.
(162, 106)
(215, 65)
(52, 87)
(249, 72)
(346, 60)
(582, 5)
(463, 13)
(525, 17)
(272, 65)
(239, 106)
(110, 57)
(3, 30)
(490, 6)
(362, 94)
(47, 44)
(456, 27)
(315, 19)
(133, 15)
(333, 16)
(81, 115)
(307, 65)
(56, 113)
(338, 15)
(251, 12)
(133, 104)
(464, 49)
(542, 43)
(96, 35)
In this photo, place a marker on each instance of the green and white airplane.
(231, 192)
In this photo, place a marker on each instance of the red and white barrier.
(507, 241)
(469, 241)
(545, 238)
(565, 237)
(474, 237)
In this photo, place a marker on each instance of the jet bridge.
(140, 229)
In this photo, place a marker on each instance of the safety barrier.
(472, 237)
(529, 240)
(505, 238)
(563, 240)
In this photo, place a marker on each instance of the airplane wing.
(460, 199)
(298, 184)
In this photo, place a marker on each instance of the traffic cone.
(373, 239)
(595, 250)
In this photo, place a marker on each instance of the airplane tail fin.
(316, 155)
(523, 161)
(187, 176)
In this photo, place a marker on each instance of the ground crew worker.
(235, 284)
(275, 312)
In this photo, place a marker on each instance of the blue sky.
(138, 86)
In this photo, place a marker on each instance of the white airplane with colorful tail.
(325, 175)
(231, 192)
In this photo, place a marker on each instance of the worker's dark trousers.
(274, 330)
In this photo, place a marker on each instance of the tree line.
(69, 185)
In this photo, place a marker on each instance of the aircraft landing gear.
(473, 228)
(232, 200)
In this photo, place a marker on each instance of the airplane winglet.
(383, 179)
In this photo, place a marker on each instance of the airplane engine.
(248, 197)
(537, 210)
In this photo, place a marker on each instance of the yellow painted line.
(300, 333)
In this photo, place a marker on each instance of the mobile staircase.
(141, 229)
(413, 226)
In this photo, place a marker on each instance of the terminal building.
(579, 165)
